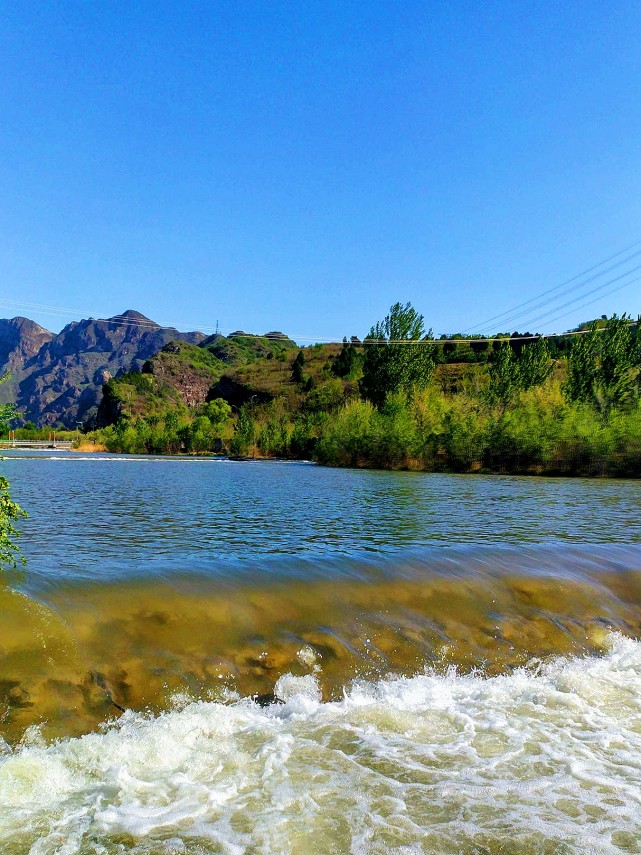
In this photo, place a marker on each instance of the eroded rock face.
(20, 340)
(57, 379)
(191, 382)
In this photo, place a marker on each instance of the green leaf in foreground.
(10, 512)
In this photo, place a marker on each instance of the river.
(259, 657)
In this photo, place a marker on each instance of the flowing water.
(212, 656)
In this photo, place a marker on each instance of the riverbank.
(538, 432)
(86, 447)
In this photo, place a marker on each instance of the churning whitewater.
(544, 759)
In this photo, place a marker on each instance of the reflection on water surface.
(174, 588)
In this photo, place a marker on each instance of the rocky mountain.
(20, 339)
(58, 379)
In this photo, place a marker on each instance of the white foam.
(97, 458)
(543, 759)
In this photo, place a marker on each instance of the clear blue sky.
(301, 166)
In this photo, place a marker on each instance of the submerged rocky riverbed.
(209, 656)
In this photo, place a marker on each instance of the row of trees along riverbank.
(522, 405)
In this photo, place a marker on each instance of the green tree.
(243, 434)
(198, 436)
(7, 411)
(217, 411)
(515, 371)
(449, 349)
(603, 366)
(534, 364)
(297, 368)
(345, 362)
(504, 376)
(399, 355)
(582, 364)
(479, 346)
(10, 511)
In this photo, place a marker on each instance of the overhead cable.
(510, 312)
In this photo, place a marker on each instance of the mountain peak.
(59, 378)
(26, 324)
(132, 315)
(20, 339)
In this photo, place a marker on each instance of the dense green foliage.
(297, 368)
(539, 433)
(10, 511)
(519, 405)
(240, 347)
(513, 371)
(521, 419)
(33, 433)
(349, 362)
(399, 355)
(603, 366)
(169, 430)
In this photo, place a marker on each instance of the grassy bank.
(540, 433)
(391, 402)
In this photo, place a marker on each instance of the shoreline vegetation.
(513, 404)
(11, 558)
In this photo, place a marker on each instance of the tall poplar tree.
(399, 355)
(603, 366)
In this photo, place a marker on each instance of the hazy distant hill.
(58, 379)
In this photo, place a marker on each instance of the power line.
(118, 320)
(66, 313)
(150, 325)
(329, 340)
(590, 302)
(510, 312)
(518, 317)
(544, 318)
(130, 322)
(505, 338)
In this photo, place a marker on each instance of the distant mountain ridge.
(58, 379)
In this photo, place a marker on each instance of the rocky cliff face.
(20, 340)
(180, 374)
(57, 379)
(192, 379)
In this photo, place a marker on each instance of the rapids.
(544, 759)
(207, 656)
